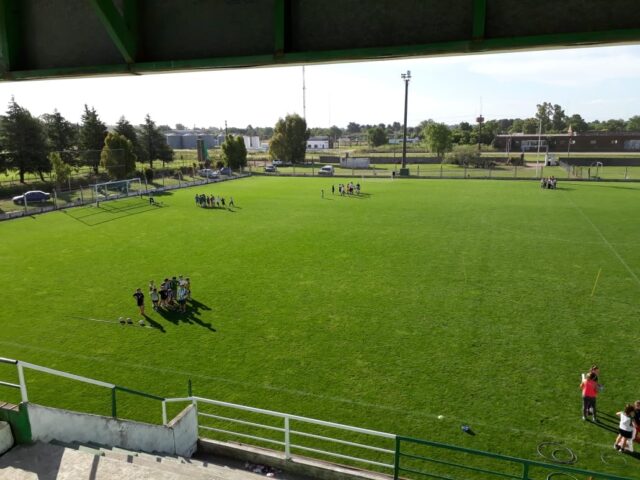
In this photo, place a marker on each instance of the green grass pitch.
(474, 300)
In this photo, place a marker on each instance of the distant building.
(188, 141)
(580, 142)
(398, 141)
(251, 142)
(318, 143)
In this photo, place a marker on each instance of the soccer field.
(479, 301)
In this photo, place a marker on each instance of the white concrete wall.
(177, 438)
(6, 437)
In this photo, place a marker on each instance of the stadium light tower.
(406, 77)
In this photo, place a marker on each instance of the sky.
(597, 83)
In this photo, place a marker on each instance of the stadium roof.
(61, 38)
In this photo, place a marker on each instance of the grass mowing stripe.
(606, 242)
(358, 306)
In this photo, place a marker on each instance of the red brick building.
(580, 142)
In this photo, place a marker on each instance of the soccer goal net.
(117, 189)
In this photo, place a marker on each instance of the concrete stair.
(62, 461)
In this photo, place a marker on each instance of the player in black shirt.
(139, 296)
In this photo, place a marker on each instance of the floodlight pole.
(406, 77)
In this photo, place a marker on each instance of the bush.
(462, 155)
(148, 174)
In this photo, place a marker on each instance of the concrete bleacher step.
(173, 464)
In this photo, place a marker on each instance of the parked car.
(326, 170)
(226, 171)
(270, 169)
(32, 196)
(277, 163)
(208, 173)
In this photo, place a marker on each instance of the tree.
(577, 123)
(24, 141)
(615, 125)
(234, 152)
(153, 144)
(353, 127)
(377, 136)
(334, 134)
(462, 155)
(180, 126)
(124, 128)
(530, 125)
(438, 138)
(91, 139)
(289, 141)
(543, 115)
(633, 124)
(117, 156)
(61, 135)
(61, 170)
(558, 119)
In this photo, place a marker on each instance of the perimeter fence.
(61, 198)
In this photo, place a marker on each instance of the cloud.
(563, 68)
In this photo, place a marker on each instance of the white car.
(326, 170)
(208, 173)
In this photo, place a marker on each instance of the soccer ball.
(121, 319)
(141, 323)
(129, 321)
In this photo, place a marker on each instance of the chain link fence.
(61, 198)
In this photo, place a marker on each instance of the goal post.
(117, 189)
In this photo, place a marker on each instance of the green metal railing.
(525, 466)
(407, 460)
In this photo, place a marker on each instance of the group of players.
(171, 294)
(212, 201)
(629, 423)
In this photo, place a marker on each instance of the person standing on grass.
(636, 421)
(139, 296)
(231, 204)
(625, 431)
(589, 393)
(155, 298)
(182, 298)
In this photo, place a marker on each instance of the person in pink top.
(589, 388)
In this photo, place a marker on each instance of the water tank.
(174, 141)
(189, 141)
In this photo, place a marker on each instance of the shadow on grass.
(153, 324)
(190, 316)
(356, 196)
(606, 421)
(110, 211)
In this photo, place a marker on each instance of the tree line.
(51, 143)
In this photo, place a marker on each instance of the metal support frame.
(279, 27)
(118, 28)
(9, 35)
(479, 19)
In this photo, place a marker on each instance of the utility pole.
(304, 96)
(406, 77)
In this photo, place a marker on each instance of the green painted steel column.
(117, 28)
(114, 410)
(19, 421)
(396, 460)
(479, 19)
(9, 35)
(279, 27)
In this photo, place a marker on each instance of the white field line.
(606, 242)
(420, 414)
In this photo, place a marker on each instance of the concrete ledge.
(297, 465)
(6, 437)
